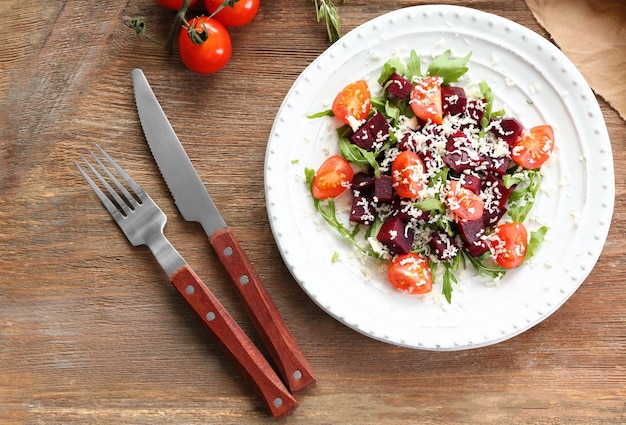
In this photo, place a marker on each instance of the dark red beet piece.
(395, 235)
(362, 210)
(471, 182)
(496, 165)
(496, 197)
(471, 233)
(403, 208)
(457, 140)
(362, 183)
(372, 134)
(453, 100)
(399, 86)
(443, 245)
(383, 189)
(476, 109)
(509, 129)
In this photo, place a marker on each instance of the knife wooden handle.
(282, 347)
(235, 343)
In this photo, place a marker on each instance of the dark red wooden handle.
(242, 351)
(284, 350)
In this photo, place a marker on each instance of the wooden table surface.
(91, 331)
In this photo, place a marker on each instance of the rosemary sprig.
(326, 9)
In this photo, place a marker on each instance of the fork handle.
(235, 343)
(281, 345)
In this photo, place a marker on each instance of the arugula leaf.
(450, 69)
(413, 68)
(536, 238)
(523, 197)
(389, 67)
(327, 209)
(431, 204)
(326, 113)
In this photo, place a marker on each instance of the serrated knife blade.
(195, 204)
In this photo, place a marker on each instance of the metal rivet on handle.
(190, 289)
(228, 251)
(244, 279)
(297, 375)
(210, 316)
(278, 402)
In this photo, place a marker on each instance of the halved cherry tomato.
(534, 147)
(425, 100)
(353, 104)
(332, 178)
(242, 13)
(209, 56)
(508, 244)
(407, 173)
(410, 273)
(175, 4)
(464, 203)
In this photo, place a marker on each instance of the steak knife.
(195, 204)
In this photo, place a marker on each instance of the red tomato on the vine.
(410, 273)
(353, 102)
(509, 243)
(213, 53)
(242, 13)
(426, 100)
(332, 178)
(175, 4)
(534, 148)
(408, 174)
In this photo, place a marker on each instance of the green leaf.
(326, 113)
(523, 197)
(536, 239)
(413, 68)
(450, 69)
(430, 204)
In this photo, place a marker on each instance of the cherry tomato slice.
(533, 148)
(408, 174)
(352, 104)
(242, 13)
(210, 56)
(332, 178)
(425, 100)
(464, 203)
(508, 244)
(175, 4)
(410, 273)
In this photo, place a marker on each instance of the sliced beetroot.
(471, 182)
(398, 86)
(471, 233)
(453, 100)
(495, 194)
(396, 236)
(373, 134)
(383, 189)
(457, 140)
(476, 109)
(405, 209)
(363, 210)
(443, 245)
(496, 165)
(362, 183)
(508, 129)
(462, 159)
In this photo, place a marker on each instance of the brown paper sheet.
(592, 34)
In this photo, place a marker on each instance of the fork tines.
(113, 202)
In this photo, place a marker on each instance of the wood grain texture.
(91, 332)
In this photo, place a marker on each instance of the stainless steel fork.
(142, 221)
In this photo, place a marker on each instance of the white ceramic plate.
(533, 81)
